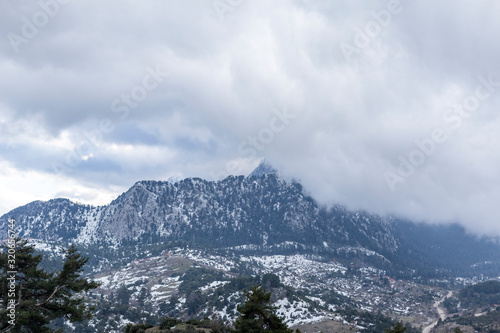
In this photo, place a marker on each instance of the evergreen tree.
(398, 328)
(141, 299)
(41, 297)
(139, 328)
(123, 295)
(257, 315)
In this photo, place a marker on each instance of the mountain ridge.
(254, 213)
(186, 202)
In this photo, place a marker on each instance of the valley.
(310, 292)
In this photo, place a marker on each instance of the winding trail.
(440, 312)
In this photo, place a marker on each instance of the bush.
(139, 328)
(168, 323)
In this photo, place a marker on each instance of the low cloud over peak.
(389, 106)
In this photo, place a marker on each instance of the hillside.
(188, 248)
(261, 214)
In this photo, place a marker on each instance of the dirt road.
(440, 312)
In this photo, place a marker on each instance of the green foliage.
(258, 315)
(123, 295)
(178, 326)
(194, 301)
(194, 278)
(398, 328)
(270, 280)
(489, 288)
(334, 298)
(373, 323)
(481, 294)
(168, 323)
(141, 298)
(139, 328)
(109, 313)
(486, 323)
(451, 305)
(43, 297)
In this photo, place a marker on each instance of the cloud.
(366, 86)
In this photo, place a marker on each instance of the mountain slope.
(254, 213)
(262, 169)
(236, 211)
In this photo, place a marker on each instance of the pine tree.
(257, 315)
(41, 297)
(123, 295)
(398, 328)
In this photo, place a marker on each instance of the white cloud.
(22, 187)
(355, 117)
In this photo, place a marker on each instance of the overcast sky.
(388, 106)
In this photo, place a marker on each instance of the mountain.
(262, 169)
(187, 249)
(259, 214)
(260, 211)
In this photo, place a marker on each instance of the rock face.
(263, 210)
(262, 169)
(260, 213)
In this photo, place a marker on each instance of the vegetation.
(139, 328)
(41, 297)
(373, 323)
(109, 313)
(481, 294)
(398, 328)
(490, 322)
(123, 295)
(167, 323)
(194, 278)
(258, 315)
(451, 305)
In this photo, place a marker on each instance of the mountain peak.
(175, 178)
(262, 169)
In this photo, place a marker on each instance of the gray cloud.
(352, 114)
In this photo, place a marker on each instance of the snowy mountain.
(188, 248)
(260, 211)
(262, 169)
(260, 214)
